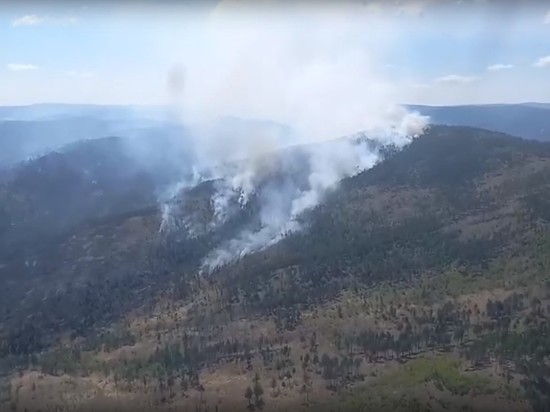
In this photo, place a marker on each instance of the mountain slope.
(420, 264)
(405, 216)
(47, 196)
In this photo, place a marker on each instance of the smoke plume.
(313, 74)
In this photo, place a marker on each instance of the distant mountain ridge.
(526, 120)
(49, 111)
(34, 130)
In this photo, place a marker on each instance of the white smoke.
(312, 69)
(282, 206)
(329, 165)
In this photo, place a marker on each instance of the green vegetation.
(444, 371)
(434, 261)
(405, 389)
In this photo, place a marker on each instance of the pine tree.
(248, 395)
(258, 391)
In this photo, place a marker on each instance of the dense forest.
(420, 284)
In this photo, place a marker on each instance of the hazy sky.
(246, 59)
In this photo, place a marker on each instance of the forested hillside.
(420, 284)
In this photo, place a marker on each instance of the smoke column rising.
(312, 69)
